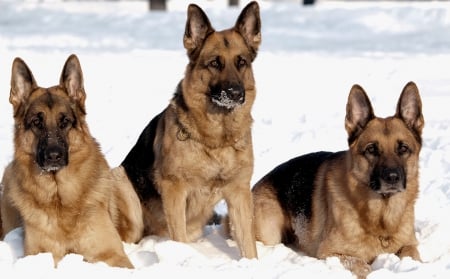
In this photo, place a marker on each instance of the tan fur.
(81, 208)
(216, 161)
(203, 152)
(349, 220)
(125, 208)
(1, 222)
(269, 227)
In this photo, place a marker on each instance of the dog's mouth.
(51, 168)
(229, 97)
(388, 191)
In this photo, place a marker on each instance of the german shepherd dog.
(354, 204)
(59, 186)
(199, 149)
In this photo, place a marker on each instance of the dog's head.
(219, 69)
(385, 151)
(45, 117)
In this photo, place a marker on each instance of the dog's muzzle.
(388, 181)
(52, 157)
(228, 96)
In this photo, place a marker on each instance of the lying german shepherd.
(59, 186)
(199, 149)
(353, 204)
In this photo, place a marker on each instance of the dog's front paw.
(356, 265)
(409, 251)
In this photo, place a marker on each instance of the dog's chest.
(58, 199)
(197, 163)
(220, 165)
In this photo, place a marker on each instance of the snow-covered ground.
(309, 59)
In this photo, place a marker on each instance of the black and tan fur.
(59, 186)
(199, 149)
(354, 204)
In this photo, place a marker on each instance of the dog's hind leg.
(10, 216)
(270, 221)
(126, 208)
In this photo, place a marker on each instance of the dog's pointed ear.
(359, 112)
(248, 25)
(22, 83)
(72, 80)
(409, 108)
(198, 27)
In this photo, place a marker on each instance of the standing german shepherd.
(353, 204)
(59, 186)
(199, 149)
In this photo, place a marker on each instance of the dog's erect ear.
(72, 80)
(22, 83)
(359, 112)
(409, 108)
(248, 25)
(197, 29)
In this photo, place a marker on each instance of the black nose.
(228, 95)
(53, 155)
(236, 93)
(391, 175)
(52, 158)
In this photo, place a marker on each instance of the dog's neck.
(214, 131)
(211, 137)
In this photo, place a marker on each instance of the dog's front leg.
(38, 241)
(240, 211)
(356, 265)
(100, 241)
(409, 251)
(329, 247)
(173, 196)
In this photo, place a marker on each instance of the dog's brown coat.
(80, 208)
(202, 143)
(348, 218)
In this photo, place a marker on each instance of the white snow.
(309, 58)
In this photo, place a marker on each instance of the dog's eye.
(64, 122)
(214, 64)
(241, 63)
(402, 149)
(37, 121)
(372, 149)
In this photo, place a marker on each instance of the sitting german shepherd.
(199, 149)
(59, 186)
(354, 204)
